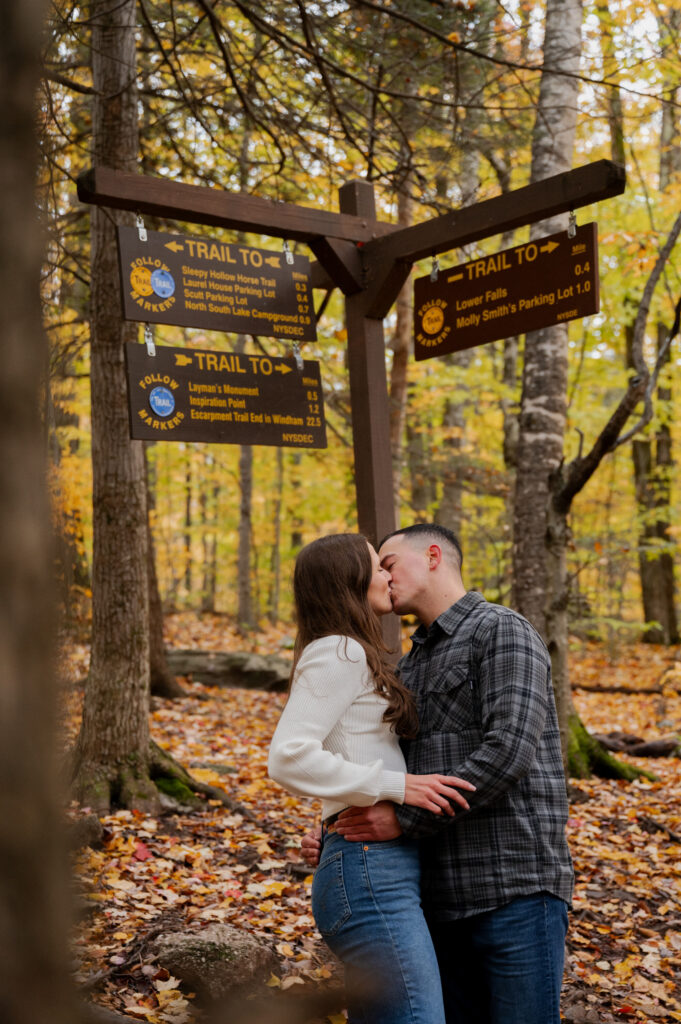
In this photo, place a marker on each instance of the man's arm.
(311, 846)
(378, 823)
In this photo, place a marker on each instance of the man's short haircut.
(440, 534)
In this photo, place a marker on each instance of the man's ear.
(434, 556)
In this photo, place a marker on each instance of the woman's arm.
(332, 674)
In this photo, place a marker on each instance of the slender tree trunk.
(652, 462)
(539, 571)
(613, 97)
(422, 484)
(244, 589)
(275, 556)
(245, 615)
(209, 512)
(112, 750)
(670, 137)
(450, 508)
(188, 524)
(652, 455)
(162, 682)
(34, 979)
(401, 344)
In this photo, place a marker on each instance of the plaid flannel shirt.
(481, 677)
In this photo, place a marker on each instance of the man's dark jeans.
(504, 966)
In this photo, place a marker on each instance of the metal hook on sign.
(572, 225)
(287, 252)
(149, 340)
(435, 269)
(141, 230)
(297, 356)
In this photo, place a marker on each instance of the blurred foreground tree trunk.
(112, 750)
(34, 915)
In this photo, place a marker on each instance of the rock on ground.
(217, 962)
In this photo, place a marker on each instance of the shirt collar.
(449, 621)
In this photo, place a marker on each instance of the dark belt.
(331, 820)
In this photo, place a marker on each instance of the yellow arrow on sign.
(181, 360)
(282, 368)
(175, 246)
(273, 261)
(549, 247)
(455, 277)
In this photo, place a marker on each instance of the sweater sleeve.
(331, 675)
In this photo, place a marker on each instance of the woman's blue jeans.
(504, 966)
(367, 905)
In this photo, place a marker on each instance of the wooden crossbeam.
(197, 204)
(388, 260)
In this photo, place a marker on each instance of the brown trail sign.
(226, 397)
(209, 283)
(544, 282)
(369, 260)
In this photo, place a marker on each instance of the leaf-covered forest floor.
(212, 865)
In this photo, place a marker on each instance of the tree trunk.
(652, 456)
(613, 98)
(669, 27)
(188, 524)
(245, 617)
(543, 402)
(161, 680)
(209, 521)
(422, 484)
(34, 886)
(540, 530)
(275, 554)
(401, 345)
(450, 509)
(244, 591)
(112, 750)
(652, 463)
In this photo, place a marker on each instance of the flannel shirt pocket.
(448, 704)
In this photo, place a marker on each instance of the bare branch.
(571, 479)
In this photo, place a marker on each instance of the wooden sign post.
(369, 260)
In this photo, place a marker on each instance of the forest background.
(439, 105)
(436, 106)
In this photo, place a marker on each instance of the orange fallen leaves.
(624, 949)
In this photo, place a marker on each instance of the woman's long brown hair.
(330, 588)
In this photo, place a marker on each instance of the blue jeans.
(367, 905)
(504, 966)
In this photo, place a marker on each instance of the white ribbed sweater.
(331, 740)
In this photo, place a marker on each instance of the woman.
(338, 739)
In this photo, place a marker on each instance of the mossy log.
(587, 757)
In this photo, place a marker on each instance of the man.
(496, 879)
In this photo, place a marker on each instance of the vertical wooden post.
(370, 404)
